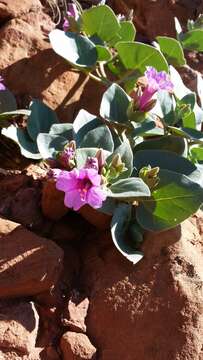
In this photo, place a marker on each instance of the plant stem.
(101, 80)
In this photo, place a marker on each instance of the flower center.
(84, 186)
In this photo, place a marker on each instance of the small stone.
(29, 263)
(77, 346)
(19, 323)
(75, 313)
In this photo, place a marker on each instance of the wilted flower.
(66, 157)
(81, 187)
(53, 173)
(2, 86)
(92, 163)
(71, 13)
(155, 81)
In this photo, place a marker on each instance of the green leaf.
(189, 120)
(103, 54)
(100, 21)
(197, 154)
(172, 50)
(28, 147)
(135, 55)
(114, 104)
(100, 137)
(119, 227)
(127, 158)
(127, 32)
(189, 99)
(174, 200)
(83, 123)
(193, 40)
(164, 160)
(171, 143)
(77, 49)
(40, 120)
(7, 101)
(191, 134)
(166, 104)
(143, 128)
(180, 90)
(130, 188)
(48, 144)
(108, 206)
(6, 116)
(188, 116)
(65, 130)
(194, 135)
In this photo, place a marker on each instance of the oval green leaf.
(172, 50)
(114, 104)
(100, 21)
(77, 49)
(135, 55)
(119, 226)
(41, 119)
(100, 137)
(174, 200)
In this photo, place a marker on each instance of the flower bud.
(150, 176)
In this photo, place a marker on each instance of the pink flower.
(81, 187)
(155, 81)
(72, 13)
(2, 86)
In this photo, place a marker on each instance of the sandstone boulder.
(19, 323)
(152, 310)
(29, 264)
(10, 9)
(156, 17)
(76, 346)
(31, 69)
(75, 312)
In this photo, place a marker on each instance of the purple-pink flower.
(2, 86)
(155, 81)
(66, 156)
(72, 13)
(81, 187)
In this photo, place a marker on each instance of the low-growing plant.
(140, 160)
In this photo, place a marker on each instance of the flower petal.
(95, 197)
(67, 180)
(73, 200)
(94, 177)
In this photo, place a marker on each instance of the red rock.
(53, 201)
(19, 323)
(25, 207)
(156, 17)
(25, 50)
(29, 263)
(77, 346)
(152, 310)
(10, 9)
(75, 312)
(100, 220)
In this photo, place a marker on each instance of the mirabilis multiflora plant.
(140, 160)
